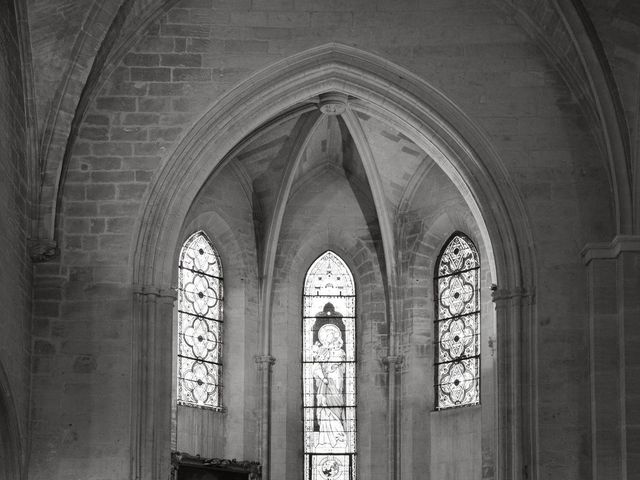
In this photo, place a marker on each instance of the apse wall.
(15, 273)
(323, 214)
(176, 69)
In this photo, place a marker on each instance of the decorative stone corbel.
(41, 250)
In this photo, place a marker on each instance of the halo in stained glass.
(200, 299)
(329, 370)
(457, 349)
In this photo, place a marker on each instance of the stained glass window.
(329, 370)
(457, 324)
(200, 303)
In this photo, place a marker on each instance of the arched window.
(329, 370)
(199, 324)
(457, 324)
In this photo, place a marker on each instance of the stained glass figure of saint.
(328, 364)
(457, 325)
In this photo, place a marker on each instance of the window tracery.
(457, 324)
(200, 317)
(329, 370)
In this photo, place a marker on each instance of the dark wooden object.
(190, 467)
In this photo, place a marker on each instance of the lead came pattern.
(457, 352)
(200, 310)
(329, 370)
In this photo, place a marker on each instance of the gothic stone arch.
(424, 115)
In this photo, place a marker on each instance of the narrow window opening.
(200, 321)
(457, 324)
(329, 370)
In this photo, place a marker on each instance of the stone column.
(265, 364)
(512, 384)
(392, 364)
(614, 342)
(152, 356)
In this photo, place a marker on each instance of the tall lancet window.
(329, 370)
(457, 325)
(199, 324)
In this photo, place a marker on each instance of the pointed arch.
(200, 320)
(429, 119)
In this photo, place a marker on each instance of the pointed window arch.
(200, 317)
(457, 324)
(329, 370)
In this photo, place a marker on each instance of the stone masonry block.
(111, 149)
(97, 225)
(191, 74)
(42, 347)
(169, 90)
(185, 30)
(178, 15)
(150, 148)
(112, 176)
(130, 134)
(118, 209)
(180, 44)
(101, 163)
(94, 119)
(181, 60)
(154, 44)
(204, 45)
(101, 192)
(151, 74)
(142, 118)
(120, 224)
(246, 46)
(164, 133)
(153, 104)
(117, 104)
(80, 209)
(132, 191)
(142, 60)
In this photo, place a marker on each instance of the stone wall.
(184, 63)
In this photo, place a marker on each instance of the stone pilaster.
(614, 342)
(512, 313)
(152, 358)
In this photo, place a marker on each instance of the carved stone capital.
(502, 294)
(265, 361)
(392, 362)
(169, 293)
(42, 250)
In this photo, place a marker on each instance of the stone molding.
(611, 250)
